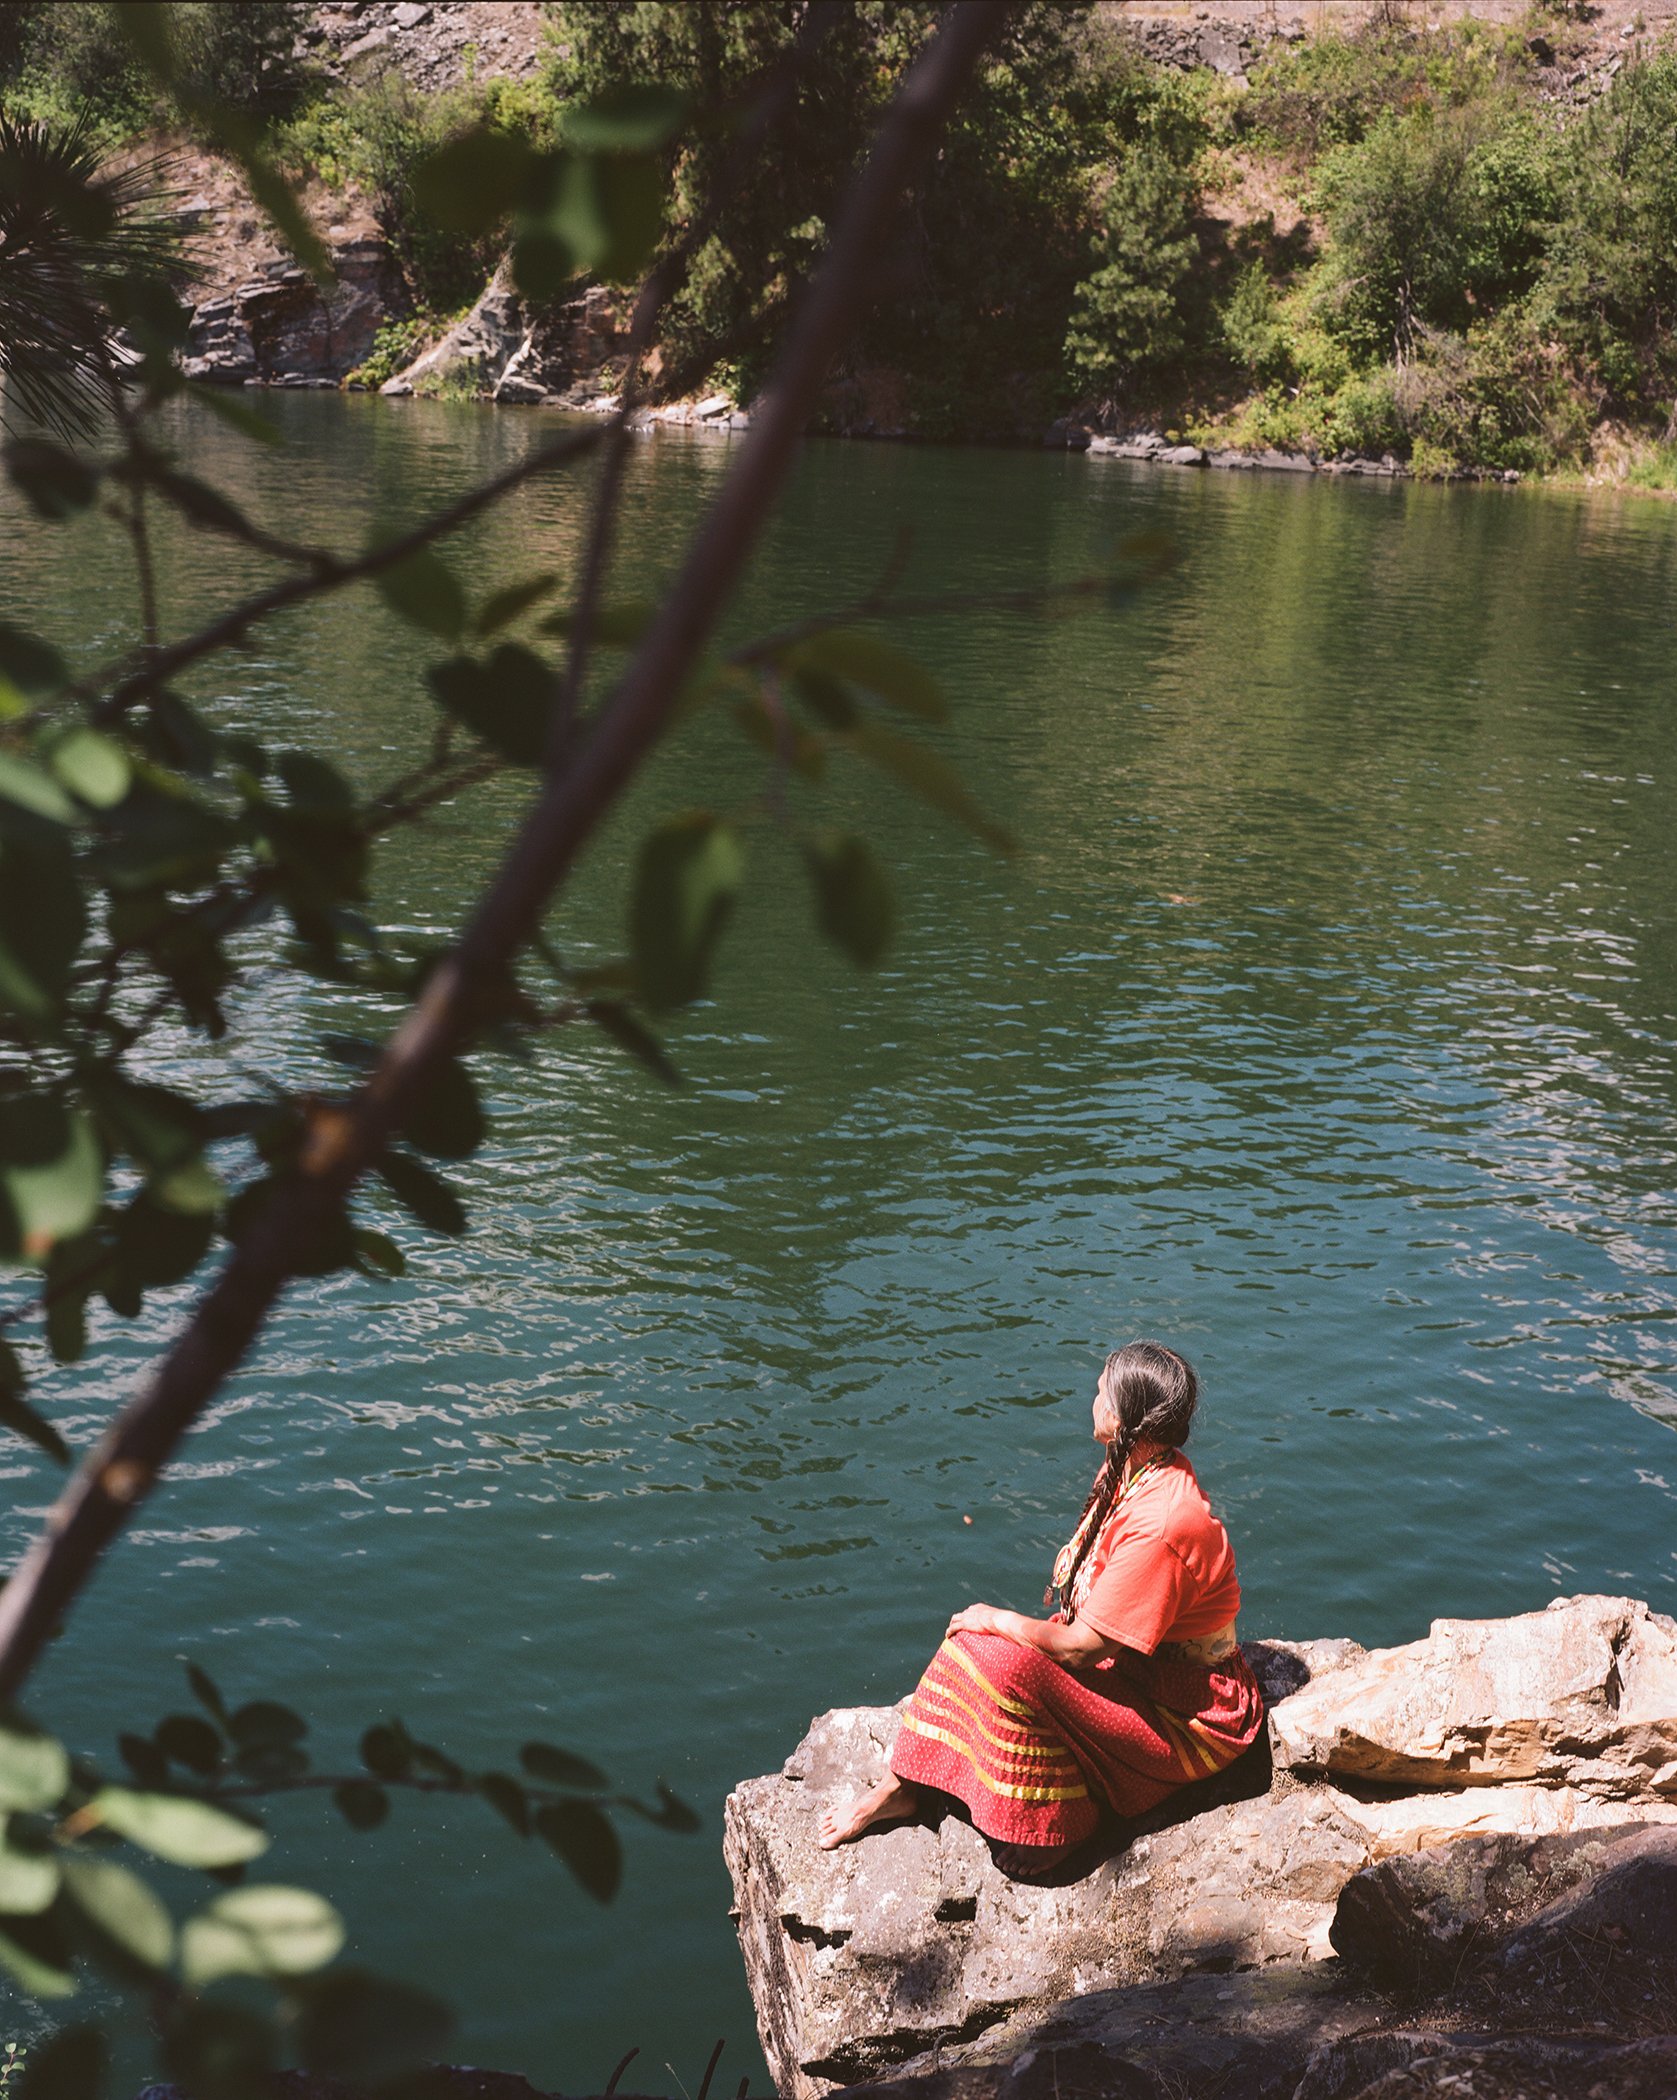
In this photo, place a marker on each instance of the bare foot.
(890, 1802)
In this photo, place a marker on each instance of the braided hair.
(1152, 1391)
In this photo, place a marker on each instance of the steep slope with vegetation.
(1453, 244)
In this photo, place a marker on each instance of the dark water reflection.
(1324, 1024)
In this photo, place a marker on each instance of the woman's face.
(1106, 1416)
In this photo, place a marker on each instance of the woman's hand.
(981, 1618)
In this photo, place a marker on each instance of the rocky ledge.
(1449, 1868)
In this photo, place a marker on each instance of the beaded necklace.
(1068, 1553)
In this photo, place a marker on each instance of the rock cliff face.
(910, 1951)
(506, 351)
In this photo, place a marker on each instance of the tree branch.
(569, 807)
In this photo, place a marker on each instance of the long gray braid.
(1153, 1392)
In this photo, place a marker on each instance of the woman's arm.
(1073, 1646)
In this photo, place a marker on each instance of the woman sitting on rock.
(1135, 1687)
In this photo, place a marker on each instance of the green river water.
(1324, 1026)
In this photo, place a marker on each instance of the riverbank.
(1369, 233)
(1433, 1854)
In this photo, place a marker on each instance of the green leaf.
(504, 606)
(201, 504)
(878, 667)
(853, 903)
(362, 1804)
(424, 1195)
(144, 1760)
(584, 1839)
(619, 626)
(28, 1876)
(786, 742)
(175, 1827)
(378, 1254)
(67, 1326)
(630, 1033)
(555, 1767)
(207, 1692)
(266, 1722)
(32, 665)
(163, 838)
(157, 1246)
(55, 483)
(53, 1175)
(234, 412)
(26, 787)
(123, 1909)
(91, 766)
(218, 2051)
(34, 1769)
(359, 2027)
(924, 773)
(598, 215)
(387, 1750)
(264, 1929)
(507, 1798)
(16, 1414)
(470, 184)
(423, 591)
(314, 785)
(636, 118)
(827, 698)
(271, 1764)
(686, 879)
(193, 1188)
(34, 1952)
(70, 2065)
(176, 735)
(507, 700)
(157, 1128)
(447, 1120)
(43, 922)
(191, 1741)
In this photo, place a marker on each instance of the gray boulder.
(278, 326)
(1410, 1921)
(1583, 1694)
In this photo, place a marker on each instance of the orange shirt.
(1162, 1568)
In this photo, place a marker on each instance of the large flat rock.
(911, 1949)
(1583, 1694)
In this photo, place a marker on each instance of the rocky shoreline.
(1450, 1861)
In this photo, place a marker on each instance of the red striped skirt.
(1036, 1752)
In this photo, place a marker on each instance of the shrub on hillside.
(1437, 215)
(70, 60)
(376, 136)
(1612, 279)
(1331, 90)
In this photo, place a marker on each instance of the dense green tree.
(1612, 280)
(998, 236)
(1131, 316)
(1438, 214)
